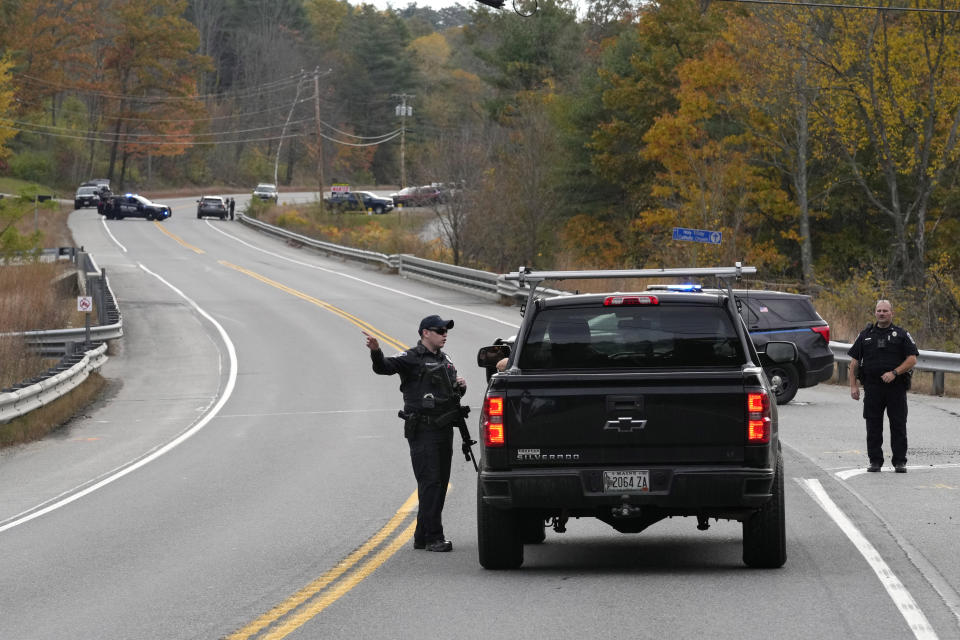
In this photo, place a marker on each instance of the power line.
(53, 129)
(346, 133)
(244, 114)
(818, 5)
(361, 144)
(152, 139)
(269, 87)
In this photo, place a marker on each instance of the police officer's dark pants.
(891, 397)
(430, 452)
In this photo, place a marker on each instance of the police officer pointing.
(431, 392)
(886, 353)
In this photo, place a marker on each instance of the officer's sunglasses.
(440, 331)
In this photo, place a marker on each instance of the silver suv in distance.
(266, 191)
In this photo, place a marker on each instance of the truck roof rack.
(527, 276)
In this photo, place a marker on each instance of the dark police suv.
(775, 315)
(781, 316)
(132, 205)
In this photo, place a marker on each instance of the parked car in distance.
(791, 317)
(212, 206)
(132, 205)
(417, 196)
(99, 183)
(358, 200)
(266, 191)
(88, 196)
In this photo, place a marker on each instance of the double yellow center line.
(320, 303)
(305, 604)
(308, 602)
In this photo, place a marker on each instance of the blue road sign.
(697, 235)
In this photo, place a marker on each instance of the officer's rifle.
(467, 445)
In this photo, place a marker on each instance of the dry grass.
(50, 219)
(32, 297)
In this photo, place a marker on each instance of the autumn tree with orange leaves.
(153, 70)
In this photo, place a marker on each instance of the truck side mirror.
(780, 352)
(488, 357)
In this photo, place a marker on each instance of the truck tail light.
(758, 418)
(823, 331)
(491, 421)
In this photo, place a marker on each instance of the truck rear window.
(675, 335)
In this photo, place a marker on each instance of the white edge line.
(366, 282)
(227, 391)
(846, 474)
(916, 621)
(103, 221)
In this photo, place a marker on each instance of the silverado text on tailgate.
(630, 408)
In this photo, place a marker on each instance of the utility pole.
(283, 132)
(403, 111)
(316, 115)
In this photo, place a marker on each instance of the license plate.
(626, 481)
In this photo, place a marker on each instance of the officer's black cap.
(434, 322)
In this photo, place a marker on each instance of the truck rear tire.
(498, 536)
(765, 532)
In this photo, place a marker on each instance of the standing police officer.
(886, 354)
(431, 392)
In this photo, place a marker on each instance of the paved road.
(246, 477)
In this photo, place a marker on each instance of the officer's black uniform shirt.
(881, 350)
(421, 371)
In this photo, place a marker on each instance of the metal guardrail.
(328, 247)
(109, 325)
(475, 281)
(483, 283)
(936, 362)
(81, 350)
(55, 383)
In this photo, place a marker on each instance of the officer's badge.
(894, 334)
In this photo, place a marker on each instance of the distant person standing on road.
(232, 205)
(431, 392)
(884, 354)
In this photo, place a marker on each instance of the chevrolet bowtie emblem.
(625, 424)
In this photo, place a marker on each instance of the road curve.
(284, 508)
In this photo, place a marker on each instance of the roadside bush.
(929, 312)
(33, 166)
(253, 166)
(257, 208)
(294, 221)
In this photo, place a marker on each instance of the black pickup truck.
(630, 408)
